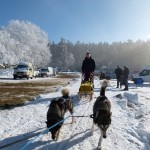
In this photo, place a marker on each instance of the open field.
(15, 92)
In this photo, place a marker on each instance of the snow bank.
(132, 97)
(140, 113)
(142, 133)
(127, 99)
(121, 101)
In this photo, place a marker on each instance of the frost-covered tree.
(7, 54)
(62, 58)
(24, 41)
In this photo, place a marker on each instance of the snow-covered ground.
(6, 73)
(129, 129)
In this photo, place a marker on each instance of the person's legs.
(121, 82)
(87, 76)
(117, 82)
(92, 78)
(126, 84)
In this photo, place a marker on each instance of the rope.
(43, 132)
(18, 141)
(91, 116)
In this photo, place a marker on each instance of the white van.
(24, 70)
(144, 74)
(46, 72)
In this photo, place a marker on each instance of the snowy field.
(129, 130)
(6, 73)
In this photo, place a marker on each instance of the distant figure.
(119, 73)
(88, 67)
(125, 77)
(102, 76)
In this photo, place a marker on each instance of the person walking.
(119, 73)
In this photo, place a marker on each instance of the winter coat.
(118, 72)
(126, 73)
(88, 65)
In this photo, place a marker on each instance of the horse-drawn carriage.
(86, 87)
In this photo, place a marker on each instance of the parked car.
(24, 70)
(36, 73)
(47, 72)
(144, 74)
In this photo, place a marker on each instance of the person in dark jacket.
(125, 77)
(102, 76)
(119, 73)
(88, 67)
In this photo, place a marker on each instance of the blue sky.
(83, 20)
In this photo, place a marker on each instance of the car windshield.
(145, 73)
(44, 70)
(22, 67)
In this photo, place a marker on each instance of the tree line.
(135, 55)
(24, 41)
